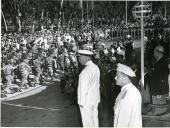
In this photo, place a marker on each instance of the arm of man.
(84, 85)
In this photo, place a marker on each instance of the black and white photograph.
(85, 63)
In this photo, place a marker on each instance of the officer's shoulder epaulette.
(123, 94)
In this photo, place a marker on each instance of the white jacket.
(89, 85)
(127, 109)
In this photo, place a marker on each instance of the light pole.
(87, 10)
(165, 10)
(126, 12)
(93, 13)
(142, 45)
(141, 11)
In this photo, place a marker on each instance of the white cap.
(85, 52)
(71, 53)
(87, 46)
(90, 47)
(103, 44)
(126, 70)
(128, 36)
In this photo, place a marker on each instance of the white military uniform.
(89, 94)
(127, 109)
(169, 79)
(24, 69)
(7, 69)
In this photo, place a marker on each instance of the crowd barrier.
(135, 33)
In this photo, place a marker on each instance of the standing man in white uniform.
(127, 109)
(88, 90)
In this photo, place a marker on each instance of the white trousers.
(89, 116)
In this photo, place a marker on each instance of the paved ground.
(47, 108)
(50, 108)
(157, 121)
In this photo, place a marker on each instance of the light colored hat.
(103, 44)
(71, 53)
(85, 52)
(126, 70)
(87, 46)
(26, 60)
(90, 47)
(128, 36)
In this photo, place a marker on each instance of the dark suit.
(158, 83)
(129, 49)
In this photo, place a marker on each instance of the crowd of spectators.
(30, 58)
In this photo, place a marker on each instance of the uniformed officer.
(127, 109)
(37, 67)
(88, 90)
(50, 65)
(24, 69)
(7, 71)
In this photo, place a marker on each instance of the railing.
(118, 34)
(135, 33)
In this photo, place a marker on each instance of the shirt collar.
(126, 86)
(88, 62)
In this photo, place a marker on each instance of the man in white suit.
(127, 109)
(88, 90)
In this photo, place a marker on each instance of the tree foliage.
(47, 12)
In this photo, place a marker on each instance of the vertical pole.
(93, 23)
(126, 12)
(42, 17)
(63, 19)
(93, 12)
(33, 28)
(165, 10)
(142, 45)
(87, 11)
(151, 8)
(82, 13)
(61, 16)
(6, 28)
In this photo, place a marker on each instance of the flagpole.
(61, 14)
(142, 46)
(87, 11)
(82, 11)
(6, 28)
(126, 12)
(165, 10)
(93, 13)
(93, 23)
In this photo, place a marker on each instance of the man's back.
(129, 101)
(88, 89)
